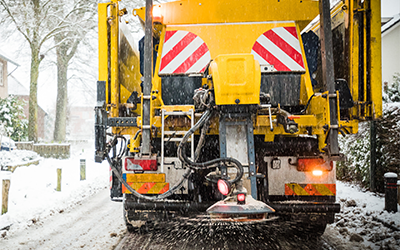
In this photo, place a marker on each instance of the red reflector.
(223, 187)
(292, 117)
(132, 164)
(314, 164)
(241, 197)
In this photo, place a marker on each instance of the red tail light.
(224, 187)
(241, 198)
(132, 164)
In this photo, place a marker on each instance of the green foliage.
(357, 147)
(357, 150)
(12, 118)
(391, 92)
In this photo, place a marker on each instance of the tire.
(314, 229)
(128, 216)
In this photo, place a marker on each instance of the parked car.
(7, 144)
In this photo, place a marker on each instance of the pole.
(391, 192)
(83, 169)
(373, 156)
(147, 84)
(58, 179)
(328, 74)
(398, 192)
(5, 189)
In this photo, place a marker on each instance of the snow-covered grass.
(17, 157)
(33, 194)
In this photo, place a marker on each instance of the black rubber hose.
(204, 118)
(146, 197)
(208, 164)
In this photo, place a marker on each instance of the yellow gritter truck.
(234, 108)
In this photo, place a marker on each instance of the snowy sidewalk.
(361, 217)
(33, 194)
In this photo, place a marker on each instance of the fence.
(58, 151)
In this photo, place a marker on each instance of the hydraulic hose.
(146, 197)
(208, 164)
(175, 188)
(182, 156)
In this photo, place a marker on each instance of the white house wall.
(390, 53)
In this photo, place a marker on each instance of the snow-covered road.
(82, 216)
(94, 223)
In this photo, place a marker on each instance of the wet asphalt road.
(201, 235)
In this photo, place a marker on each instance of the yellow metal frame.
(317, 117)
(210, 11)
(344, 13)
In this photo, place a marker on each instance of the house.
(17, 89)
(4, 60)
(80, 123)
(390, 48)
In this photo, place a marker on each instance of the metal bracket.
(122, 122)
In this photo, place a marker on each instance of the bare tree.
(81, 22)
(38, 22)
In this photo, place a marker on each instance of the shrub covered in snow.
(357, 147)
(357, 151)
(12, 118)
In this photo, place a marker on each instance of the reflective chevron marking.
(147, 187)
(279, 47)
(294, 189)
(183, 53)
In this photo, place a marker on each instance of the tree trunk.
(60, 125)
(32, 126)
(65, 51)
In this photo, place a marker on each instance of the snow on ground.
(17, 157)
(362, 219)
(33, 197)
(33, 194)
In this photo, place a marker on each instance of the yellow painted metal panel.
(236, 79)
(103, 44)
(230, 38)
(115, 90)
(145, 177)
(129, 65)
(376, 59)
(211, 11)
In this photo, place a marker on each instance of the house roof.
(7, 58)
(392, 23)
(15, 87)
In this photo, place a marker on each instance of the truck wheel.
(129, 226)
(314, 229)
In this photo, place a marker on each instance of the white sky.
(390, 8)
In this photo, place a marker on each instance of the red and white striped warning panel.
(280, 49)
(183, 53)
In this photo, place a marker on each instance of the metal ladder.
(171, 134)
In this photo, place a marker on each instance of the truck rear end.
(218, 112)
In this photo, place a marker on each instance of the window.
(1, 74)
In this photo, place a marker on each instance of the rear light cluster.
(132, 164)
(315, 165)
(241, 198)
(224, 187)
